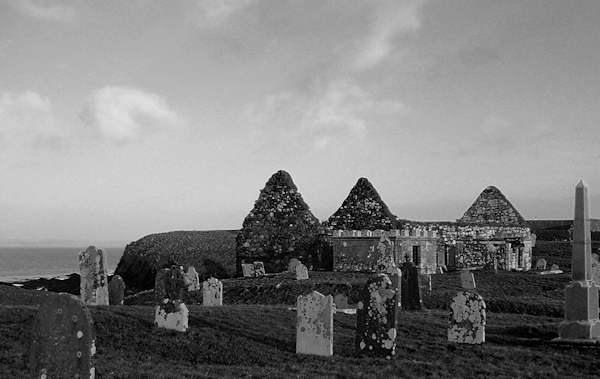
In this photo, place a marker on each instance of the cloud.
(393, 19)
(126, 113)
(214, 13)
(339, 114)
(45, 10)
(27, 121)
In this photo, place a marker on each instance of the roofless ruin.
(490, 234)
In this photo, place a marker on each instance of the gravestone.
(581, 322)
(259, 269)
(376, 318)
(93, 276)
(301, 272)
(171, 312)
(314, 328)
(425, 282)
(540, 265)
(116, 290)
(467, 318)
(63, 342)
(554, 267)
(292, 264)
(247, 270)
(596, 269)
(212, 292)
(341, 301)
(410, 289)
(192, 279)
(467, 280)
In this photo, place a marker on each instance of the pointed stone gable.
(492, 207)
(279, 226)
(363, 209)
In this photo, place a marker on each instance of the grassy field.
(254, 334)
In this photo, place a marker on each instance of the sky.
(120, 119)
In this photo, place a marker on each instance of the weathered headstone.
(116, 290)
(247, 270)
(314, 330)
(581, 295)
(467, 318)
(540, 265)
(467, 280)
(171, 312)
(301, 272)
(292, 264)
(410, 289)
(554, 267)
(93, 276)
(212, 292)
(63, 342)
(376, 318)
(341, 301)
(192, 279)
(259, 269)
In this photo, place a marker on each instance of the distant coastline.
(61, 243)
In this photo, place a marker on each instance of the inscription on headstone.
(63, 342)
(212, 293)
(376, 318)
(93, 276)
(314, 330)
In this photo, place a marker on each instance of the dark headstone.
(62, 339)
(410, 289)
(116, 290)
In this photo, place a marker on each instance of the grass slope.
(254, 334)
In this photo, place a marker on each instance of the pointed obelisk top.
(582, 246)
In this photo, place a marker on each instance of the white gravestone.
(192, 279)
(301, 272)
(292, 265)
(467, 314)
(540, 264)
(176, 319)
(314, 330)
(248, 270)
(212, 293)
(93, 277)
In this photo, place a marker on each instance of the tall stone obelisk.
(581, 322)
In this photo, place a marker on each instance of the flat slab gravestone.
(314, 328)
(292, 264)
(63, 341)
(376, 318)
(192, 279)
(301, 272)
(212, 292)
(93, 276)
(116, 290)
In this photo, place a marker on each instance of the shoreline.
(69, 283)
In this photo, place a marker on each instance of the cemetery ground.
(254, 333)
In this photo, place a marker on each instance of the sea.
(48, 260)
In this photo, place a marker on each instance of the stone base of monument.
(174, 320)
(550, 272)
(579, 332)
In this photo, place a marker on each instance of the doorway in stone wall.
(416, 255)
(451, 256)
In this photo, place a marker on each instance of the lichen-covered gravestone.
(63, 344)
(193, 280)
(171, 312)
(93, 276)
(301, 272)
(467, 314)
(376, 318)
(410, 289)
(314, 330)
(212, 293)
(116, 290)
(292, 264)
(259, 269)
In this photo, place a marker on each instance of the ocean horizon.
(48, 259)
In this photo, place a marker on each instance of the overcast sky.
(123, 118)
